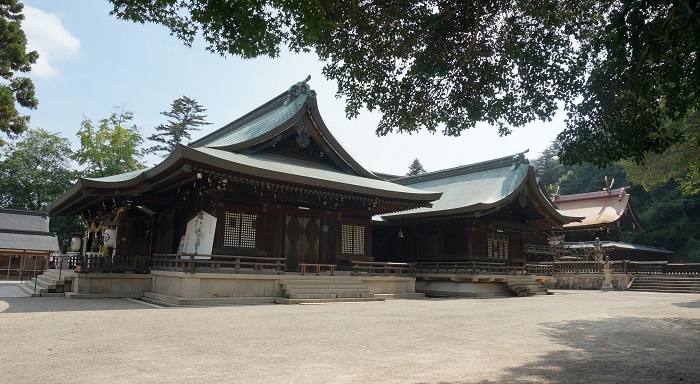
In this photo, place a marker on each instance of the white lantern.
(75, 243)
(109, 236)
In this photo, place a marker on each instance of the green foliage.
(621, 68)
(110, 148)
(416, 168)
(184, 116)
(670, 218)
(589, 178)
(35, 170)
(693, 250)
(64, 226)
(14, 59)
(680, 163)
(548, 167)
(643, 71)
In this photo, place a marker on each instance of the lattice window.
(240, 229)
(498, 247)
(353, 239)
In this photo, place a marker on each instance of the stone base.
(463, 289)
(619, 282)
(181, 301)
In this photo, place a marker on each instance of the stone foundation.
(99, 285)
(589, 281)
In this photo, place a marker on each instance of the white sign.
(199, 236)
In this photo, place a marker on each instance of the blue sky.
(91, 62)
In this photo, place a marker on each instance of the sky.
(91, 62)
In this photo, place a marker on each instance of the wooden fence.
(217, 263)
(617, 267)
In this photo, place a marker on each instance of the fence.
(617, 267)
(218, 263)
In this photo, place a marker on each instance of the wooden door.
(301, 241)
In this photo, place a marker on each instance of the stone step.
(29, 291)
(326, 290)
(667, 280)
(322, 286)
(688, 286)
(323, 282)
(46, 283)
(39, 289)
(328, 295)
(282, 300)
(665, 289)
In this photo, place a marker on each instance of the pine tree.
(416, 168)
(185, 115)
(14, 60)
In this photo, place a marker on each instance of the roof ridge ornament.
(298, 89)
(519, 159)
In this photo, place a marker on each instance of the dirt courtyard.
(568, 337)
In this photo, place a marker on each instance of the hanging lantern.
(109, 237)
(75, 243)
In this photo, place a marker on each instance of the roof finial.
(298, 89)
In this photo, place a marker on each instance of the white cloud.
(46, 35)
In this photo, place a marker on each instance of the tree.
(548, 166)
(680, 163)
(589, 178)
(185, 115)
(670, 219)
(35, 170)
(416, 168)
(14, 59)
(621, 68)
(111, 148)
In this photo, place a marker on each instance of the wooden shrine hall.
(273, 193)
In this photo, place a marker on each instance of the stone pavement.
(569, 337)
(11, 289)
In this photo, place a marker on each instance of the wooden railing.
(468, 267)
(319, 268)
(97, 262)
(218, 263)
(617, 267)
(382, 268)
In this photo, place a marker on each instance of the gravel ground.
(568, 337)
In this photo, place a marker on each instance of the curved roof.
(598, 208)
(282, 111)
(479, 189)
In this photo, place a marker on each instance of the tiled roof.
(120, 177)
(29, 242)
(315, 174)
(26, 230)
(19, 220)
(258, 126)
(468, 188)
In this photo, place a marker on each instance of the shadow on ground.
(619, 350)
(62, 304)
(689, 304)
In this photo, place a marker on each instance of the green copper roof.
(468, 188)
(262, 120)
(259, 126)
(314, 174)
(120, 177)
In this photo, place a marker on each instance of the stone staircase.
(325, 289)
(47, 284)
(666, 284)
(524, 285)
